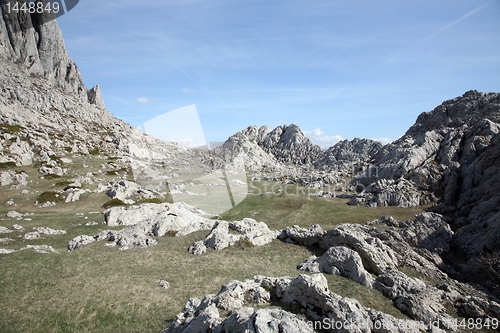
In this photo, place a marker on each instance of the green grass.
(9, 128)
(295, 207)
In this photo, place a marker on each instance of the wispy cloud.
(458, 20)
(188, 91)
(383, 141)
(321, 138)
(142, 100)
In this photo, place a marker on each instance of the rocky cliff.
(450, 156)
(34, 41)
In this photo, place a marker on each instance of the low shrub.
(52, 196)
(113, 203)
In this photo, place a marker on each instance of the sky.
(337, 69)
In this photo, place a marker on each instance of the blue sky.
(337, 69)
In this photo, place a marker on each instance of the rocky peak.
(286, 144)
(356, 151)
(465, 110)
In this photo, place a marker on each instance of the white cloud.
(142, 100)
(188, 91)
(383, 141)
(321, 138)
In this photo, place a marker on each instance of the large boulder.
(226, 234)
(339, 260)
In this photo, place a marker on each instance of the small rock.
(4, 230)
(80, 241)
(5, 240)
(162, 283)
(40, 248)
(32, 235)
(14, 215)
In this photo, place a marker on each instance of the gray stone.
(308, 294)
(95, 97)
(340, 260)
(80, 241)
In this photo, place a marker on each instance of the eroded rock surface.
(310, 294)
(226, 234)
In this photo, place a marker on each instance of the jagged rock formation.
(34, 41)
(307, 293)
(450, 154)
(272, 150)
(355, 251)
(348, 153)
(146, 222)
(339, 260)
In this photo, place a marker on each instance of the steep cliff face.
(35, 42)
(45, 109)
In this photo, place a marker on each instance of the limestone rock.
(415, 298)
(348, 153)
(311, 236)
(340, 260)
(44, 249)
(147, 221)
(310, 294)
(430, 231)
(178, 215)
(226, 234)
(18, 180)
(4, 230)
(73, 194)
(95, 97)
(80, 241)
(14, 215)
(378, 249)
(198, 248)
(162, 283)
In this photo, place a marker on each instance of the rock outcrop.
(348, 154)
(226, 234)
(271, 150)
(308, 294)
(35, 42)
(373, 256)
(339, 260)
(435, 153)
(146, 222)
(450, 155)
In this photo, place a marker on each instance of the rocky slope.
(450, 155)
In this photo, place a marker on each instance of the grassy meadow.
(102, 289)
